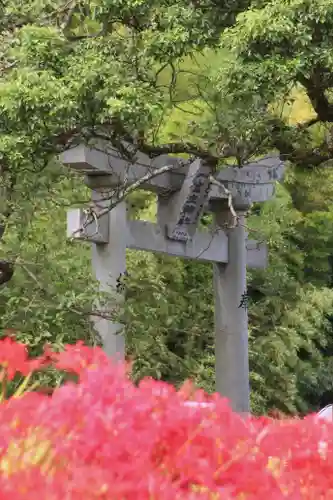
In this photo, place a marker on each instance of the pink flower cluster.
(105, 438)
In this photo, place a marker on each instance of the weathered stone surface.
(204, 246)
(253, 183)
(109, 265)
(231, 321)
(142, 235)
(185, 207)
(105, 166)
(257, 254)
(266, 170)
(246, 194)
(96, 231)
(113, 170)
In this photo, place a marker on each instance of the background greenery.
(190, 78)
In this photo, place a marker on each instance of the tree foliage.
(283, 46)
(224, 81)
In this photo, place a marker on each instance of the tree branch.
(307, 158)
(315, 88)
(120, 134)
(308, 123)
(71, 309)
(178, 148)
(95, 216)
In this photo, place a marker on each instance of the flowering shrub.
(104, 438)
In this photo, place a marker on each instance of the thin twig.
(133, 187)
(229, 196)
(70, 309)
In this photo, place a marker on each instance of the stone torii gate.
(184, 191)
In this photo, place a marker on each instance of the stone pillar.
(231, 321)
(109, 264)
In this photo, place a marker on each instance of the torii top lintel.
(105, 166)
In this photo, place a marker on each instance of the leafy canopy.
(279, 47)
(168, 77)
